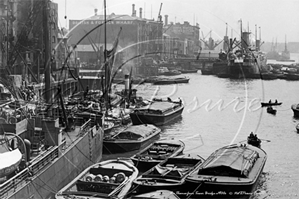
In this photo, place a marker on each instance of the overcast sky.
(276, 18)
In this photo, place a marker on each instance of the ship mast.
(285, 47)
(106, 69)
(47, 52)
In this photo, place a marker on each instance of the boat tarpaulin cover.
(9, 161)
(140, 130)
(159, 106)
(236, 158)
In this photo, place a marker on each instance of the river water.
(205, 128)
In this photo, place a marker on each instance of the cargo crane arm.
(203, 39)
(159, 12)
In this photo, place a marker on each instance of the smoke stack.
(141, 11)
(166, 20)
(133, 10)
(95, 10)
(126, 82)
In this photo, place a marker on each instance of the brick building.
(180, 40)
(138, 37)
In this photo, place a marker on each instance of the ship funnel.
(245, 40)
(226, 43)
(126, 82)
(166, 20)
(141, 12)
(133, 10)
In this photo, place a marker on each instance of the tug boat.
(107, 179)
(156, 153)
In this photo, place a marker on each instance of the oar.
(258, 138)
(265, 140)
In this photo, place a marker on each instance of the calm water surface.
(206, 128)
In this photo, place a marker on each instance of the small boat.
(167, 175)
(170, 73)
(232, 171)
(156, 153)
(107, 179)
(270, 103)
(151, 79)
(253, 140)
(10, 161)
(268, 76)
(158, 112)
(189, 70)
(159, 194)
(291, 76)
(132, 138)
(271, 110)
(295, 108)
(179, 80)
(223, 75)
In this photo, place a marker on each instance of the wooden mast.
(106, 67)
(47, 52)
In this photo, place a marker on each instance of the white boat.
(107, 179)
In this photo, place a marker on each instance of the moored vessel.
(156, 153)
(169, 174)
(158, 112)
(164, 81)
(107, 179)
(132, 138)
(230, 172)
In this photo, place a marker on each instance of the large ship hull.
(63, 164)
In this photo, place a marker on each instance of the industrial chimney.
(95, 10)
(141, 11)
(166, 20)
(133, 10)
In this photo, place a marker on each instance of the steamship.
(38, 154)
(246, 62)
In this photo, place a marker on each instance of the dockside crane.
(159, 16)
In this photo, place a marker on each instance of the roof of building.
(89, 47)
(121, 17)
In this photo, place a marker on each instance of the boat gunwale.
(103, 163)
(127, 141)
(180, 147)
(194, 176)
(163, 114)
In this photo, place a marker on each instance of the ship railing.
(85, 127)
(36, 165)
